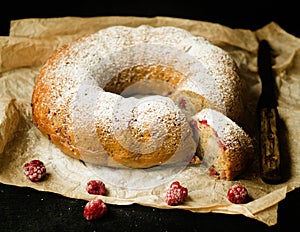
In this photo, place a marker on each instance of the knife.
(268, 117)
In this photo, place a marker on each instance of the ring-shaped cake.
(125, 96)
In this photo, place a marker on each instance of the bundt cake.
(125, 96)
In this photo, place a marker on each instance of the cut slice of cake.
(224, 147)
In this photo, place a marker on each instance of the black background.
(25, 209)
(236, 14)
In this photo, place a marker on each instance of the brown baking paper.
(31, 41)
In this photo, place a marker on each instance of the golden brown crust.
(52, 124)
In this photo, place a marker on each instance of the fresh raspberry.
(176, 194)
(34, 170)
(238, 194)
(94, 209)
(96, 187)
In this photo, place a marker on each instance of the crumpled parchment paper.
(31, 42)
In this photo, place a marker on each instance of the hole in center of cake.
(140, 80)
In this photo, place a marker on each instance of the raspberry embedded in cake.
(226, 148)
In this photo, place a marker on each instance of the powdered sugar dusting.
(230, 133)
(76, 75)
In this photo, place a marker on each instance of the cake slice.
(224, 148)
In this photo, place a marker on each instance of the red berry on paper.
(34, 170)
(238, 194)
(94, 209)
(96, 187)
(176, 194)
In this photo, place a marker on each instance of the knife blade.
(268, 117)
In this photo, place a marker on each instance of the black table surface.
(25, 209)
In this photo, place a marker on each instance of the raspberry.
(96, 187)
(176, 194)
(34, 170)
(182, 103)
(94, 209)
(238, 194)
(212, 172)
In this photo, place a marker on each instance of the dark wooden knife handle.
(269, 146)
